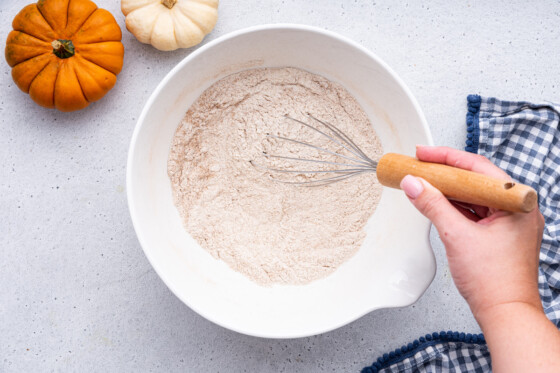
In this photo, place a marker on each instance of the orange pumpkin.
(65, 53)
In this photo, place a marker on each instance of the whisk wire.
(321, 182)
(344, 170)
(317, 148)
(315, 161)
(324, 134)
(341, 135)
(356, 164)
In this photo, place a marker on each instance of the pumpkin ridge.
(67, 14)
(19, 77)
(80, 83)
(97, 42)
(132, 10)
(193, 20)
(55, 80)
(90, 61)
(39, 73)
(38, 55)
(82, 68)
(26, 13)
(174, 28)
(190, 18)
(83, 23)
(153, 27)
(100, 23)
(204, 2)
(109, 48)
(34, 37)
(19, 43)
(52, 28)
(84, 71)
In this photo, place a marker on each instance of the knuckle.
(479, 158)
(482, 158)
(430, 205)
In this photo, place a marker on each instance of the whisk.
(391, 168)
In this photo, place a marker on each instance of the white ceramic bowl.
(393, 267)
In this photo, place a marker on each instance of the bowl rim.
(160, 87)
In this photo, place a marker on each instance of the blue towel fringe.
(422, 343)
(473, 130)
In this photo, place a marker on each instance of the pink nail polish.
(412, 186)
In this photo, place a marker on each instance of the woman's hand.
(493, 255)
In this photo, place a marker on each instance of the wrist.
(506, 312)
(520, 337)
(496, 295)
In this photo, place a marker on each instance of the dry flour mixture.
(271, 232)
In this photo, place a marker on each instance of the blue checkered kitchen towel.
(522, 138)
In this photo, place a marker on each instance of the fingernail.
(412, 186)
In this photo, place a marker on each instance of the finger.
(432, 204)
(460, 159)
(481, 211)
(498, 214)
(467, 212)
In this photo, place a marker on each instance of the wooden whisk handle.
(458, 184)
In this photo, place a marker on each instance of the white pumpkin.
(170, 24)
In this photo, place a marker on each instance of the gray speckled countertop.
(76, 291)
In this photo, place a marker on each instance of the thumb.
(432, 204)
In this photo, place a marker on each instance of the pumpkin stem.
(63, 48)
(168, 3)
